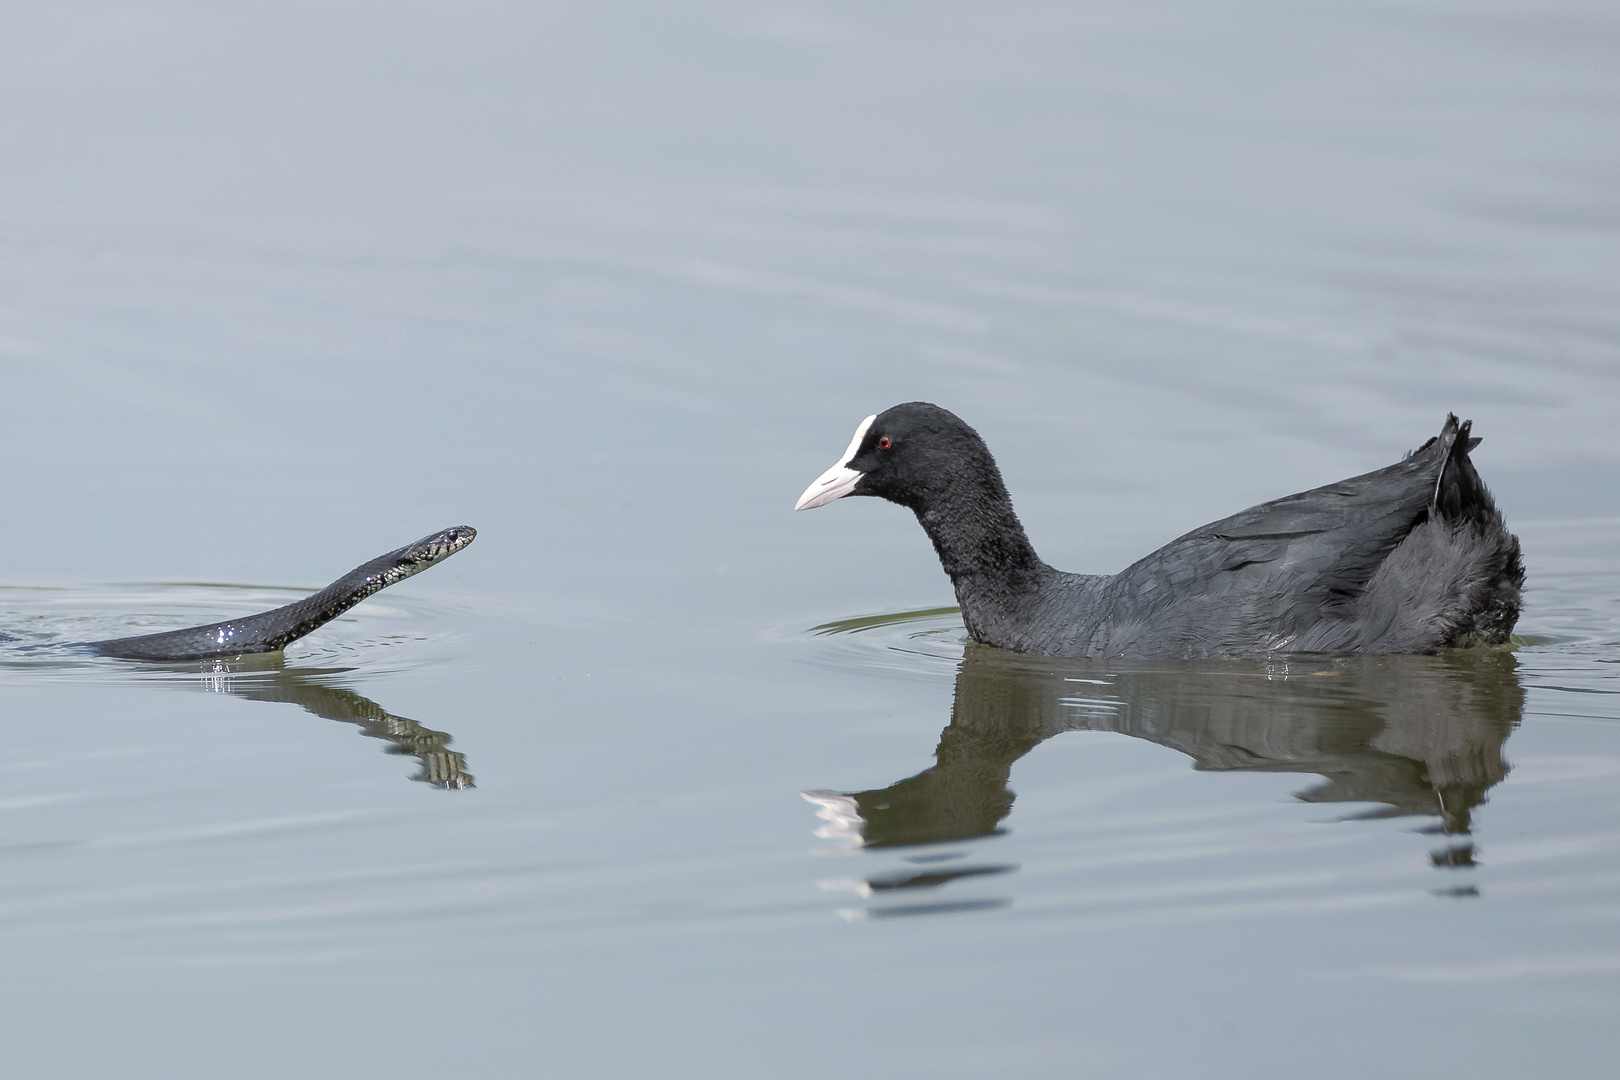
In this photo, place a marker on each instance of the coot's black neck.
(984, 550)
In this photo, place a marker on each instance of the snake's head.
(426, 552)
(446, 543)
(442, 545)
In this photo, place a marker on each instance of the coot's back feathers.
(1410, 558)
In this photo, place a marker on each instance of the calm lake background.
(283, 286)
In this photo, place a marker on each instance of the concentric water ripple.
(40, 627)
(926, 642)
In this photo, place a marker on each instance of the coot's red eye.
(884, 443)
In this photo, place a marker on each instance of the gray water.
(660, 779)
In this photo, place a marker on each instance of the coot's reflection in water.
(266, 680)
(1421, 735)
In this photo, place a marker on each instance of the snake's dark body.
(272, 630)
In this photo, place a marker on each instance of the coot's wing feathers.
(1283, 564)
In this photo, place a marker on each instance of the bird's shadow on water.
(1419, 735)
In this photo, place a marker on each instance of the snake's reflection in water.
(1421, 735)
(264, 679)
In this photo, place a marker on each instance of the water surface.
(650, 781)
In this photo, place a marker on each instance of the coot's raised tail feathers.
(1459, 494)
(1411, 558)
(273, 630)
(1461, 569)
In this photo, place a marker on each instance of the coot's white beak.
(839, 480)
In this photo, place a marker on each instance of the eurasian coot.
(1413, 558)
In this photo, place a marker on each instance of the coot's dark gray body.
(273, 630)
(1413, 558)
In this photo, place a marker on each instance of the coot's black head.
(914, 454)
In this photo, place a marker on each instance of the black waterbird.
(1413, 558)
